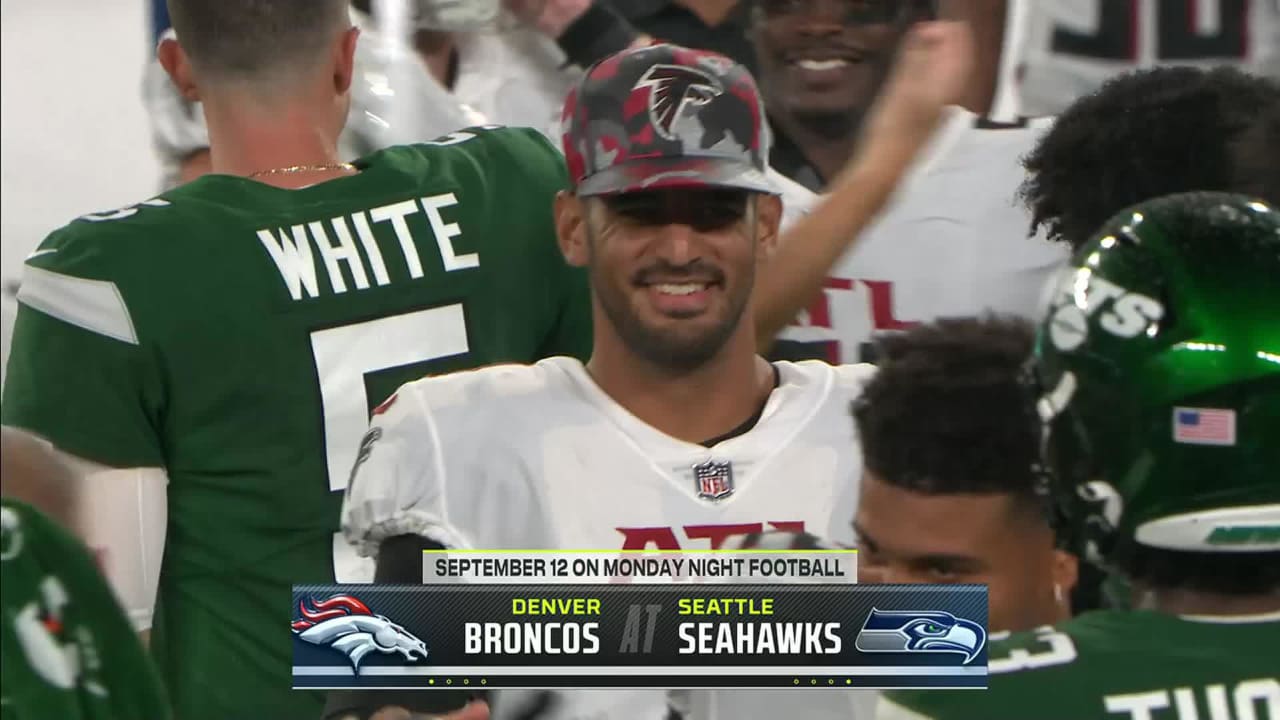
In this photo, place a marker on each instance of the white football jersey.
(953, 242)
(539, 456)
(1064, 49)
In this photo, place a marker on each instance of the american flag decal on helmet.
(1204, 426)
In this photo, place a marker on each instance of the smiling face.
(672, 270)
(827, 58)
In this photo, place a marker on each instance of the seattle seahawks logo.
(347, 625)
(924, 631)
(675, 90)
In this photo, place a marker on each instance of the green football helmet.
(1157, 370)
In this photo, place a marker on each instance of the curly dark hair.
(1255, 152)
(947, 412)
(1151, 133)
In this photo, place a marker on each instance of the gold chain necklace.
(305, 168)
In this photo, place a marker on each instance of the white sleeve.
(122, 515)
(853, 377)
(398, 483)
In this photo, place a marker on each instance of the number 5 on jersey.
(344, 355)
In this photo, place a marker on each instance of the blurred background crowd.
(91, 120)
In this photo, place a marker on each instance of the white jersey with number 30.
(1067, 48)
(539, 457)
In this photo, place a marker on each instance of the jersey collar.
(1234, 619)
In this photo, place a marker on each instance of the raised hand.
(933, 70)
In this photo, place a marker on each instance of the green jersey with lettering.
(68, 650)
(1119, 665)
(238, 335)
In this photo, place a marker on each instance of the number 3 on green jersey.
(1046, 647)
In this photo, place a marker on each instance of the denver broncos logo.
(347, 625)
(675, 90)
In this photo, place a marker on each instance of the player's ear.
(1066, 573)
(344, 68)
(768, 221)
(571, 228)
(175, 62)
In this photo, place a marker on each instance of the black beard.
(660, 349)
(673, 354)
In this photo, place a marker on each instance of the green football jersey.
(1118, 665)
(239, 335)
(68, 651)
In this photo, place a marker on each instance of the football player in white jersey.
(676, 434)
(954, 241)
(1064, 49)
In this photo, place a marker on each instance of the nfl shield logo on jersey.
(714, 479)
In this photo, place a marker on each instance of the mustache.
(697, 270)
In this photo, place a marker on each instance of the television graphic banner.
(588, 567)
(629, 635)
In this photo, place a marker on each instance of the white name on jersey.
(1258, 698)
(291, 249)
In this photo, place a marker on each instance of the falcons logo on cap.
(673, 89)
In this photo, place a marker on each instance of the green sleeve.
(572, 333)
(110, 655)
(129, 675)
(81, 370)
